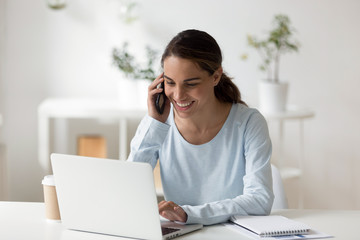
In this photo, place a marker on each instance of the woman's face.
(188, 87)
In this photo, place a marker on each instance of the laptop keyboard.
(166, 230)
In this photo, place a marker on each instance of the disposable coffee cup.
(50, 198)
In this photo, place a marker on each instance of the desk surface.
(21, 220)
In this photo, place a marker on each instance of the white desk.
(21, 220)
(81, 109)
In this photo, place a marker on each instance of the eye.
(169, 82)
(192, 83)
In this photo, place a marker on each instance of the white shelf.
(288, 173)
(99, 109)
(86, 108)
(292, 113)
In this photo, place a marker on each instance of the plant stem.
(276, 66)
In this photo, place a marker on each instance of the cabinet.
(299, 115)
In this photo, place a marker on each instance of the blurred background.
(67, 53)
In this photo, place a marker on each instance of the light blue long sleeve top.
(229, 175)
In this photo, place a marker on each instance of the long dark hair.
(202, 49)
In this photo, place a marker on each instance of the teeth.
(183, 104)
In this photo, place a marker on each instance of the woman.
(214, 151)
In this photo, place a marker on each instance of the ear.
(217, 75)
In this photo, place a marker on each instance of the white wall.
(2, 60)
(67, 54)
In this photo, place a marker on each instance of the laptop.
(111, 197)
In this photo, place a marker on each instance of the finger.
(167, 211)
(182, 216)
(172, 211)
(155, 91)
(161, 205)
(157, 81)
(166, 205)
(173, 215)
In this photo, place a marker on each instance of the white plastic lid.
(48, 180)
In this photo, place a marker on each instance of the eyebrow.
(186, 80)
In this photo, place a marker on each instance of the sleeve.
(147, 141)
(257, 197)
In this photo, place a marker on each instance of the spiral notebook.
(269, 226)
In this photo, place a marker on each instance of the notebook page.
(273, 225)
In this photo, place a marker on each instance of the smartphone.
(160, 100)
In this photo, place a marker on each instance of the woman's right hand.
(153, 91)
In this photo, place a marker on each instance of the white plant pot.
(132, 93)
(272, 97)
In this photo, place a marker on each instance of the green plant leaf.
(275, 44)
(127, 63)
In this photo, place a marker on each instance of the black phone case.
(160, 100)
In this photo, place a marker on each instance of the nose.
(179, 93)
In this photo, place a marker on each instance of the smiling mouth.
(184, 104)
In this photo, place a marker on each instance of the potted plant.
(130, 67)
(272, 91)
(137, 76)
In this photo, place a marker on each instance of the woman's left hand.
(172, 211)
